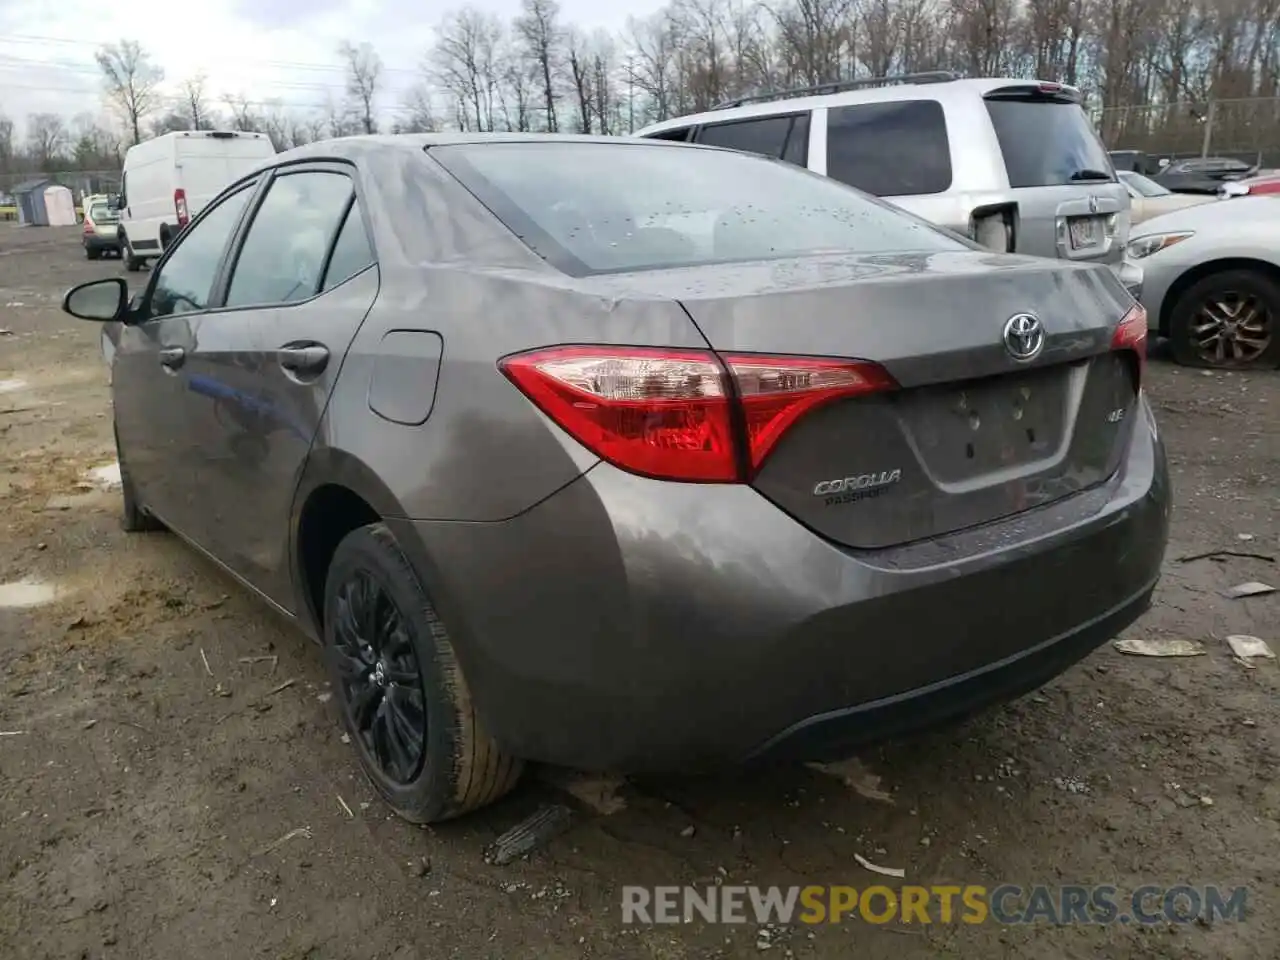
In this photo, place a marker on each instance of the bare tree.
(316, 128)
(92, 147)
(605, 104)
(195, 101)
(274, 121)
(419, 114)
(6, 144)
(130, 81)
(170, 121)
(581, 75)
(364, 79)
(243, 115)
(46, 138)
(538, 27)
(339, 120)
(465, 62)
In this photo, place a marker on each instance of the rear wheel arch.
(339, 493)
(1197, 273)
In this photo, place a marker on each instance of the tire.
(165, 239)
(133, 516)
(131, 263)
(458, 768)
(1227, 287)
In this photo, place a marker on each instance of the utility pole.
(631, 94)
(1208, 129)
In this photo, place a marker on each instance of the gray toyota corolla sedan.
(634, 455)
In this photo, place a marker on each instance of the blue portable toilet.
(29, 196)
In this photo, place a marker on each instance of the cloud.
(263, 50)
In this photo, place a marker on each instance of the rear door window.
(897, 148)
(1047, 143)
(284, 252)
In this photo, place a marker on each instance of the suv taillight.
(180, 206)
(685, 415)
(1131, 334)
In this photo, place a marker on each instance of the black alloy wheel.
(405, 701)
(382, 689)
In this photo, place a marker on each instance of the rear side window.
(352, 252)
(797, 149)
(893, 149)
(766, 136)
(679, 135)
(284, 251)
(1047, 143)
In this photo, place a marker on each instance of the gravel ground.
(155, 760)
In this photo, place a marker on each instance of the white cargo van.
(168, 180)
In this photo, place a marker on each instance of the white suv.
(1014, 164)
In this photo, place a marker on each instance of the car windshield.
(101, 213)
(591, 208)
(1148, 188)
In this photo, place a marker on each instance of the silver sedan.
(1211, 281)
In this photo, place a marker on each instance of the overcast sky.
(263, 49)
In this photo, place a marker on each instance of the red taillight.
(1131, 334)
(180, 206)
(683, 414)
(775, 392)
(88, 225)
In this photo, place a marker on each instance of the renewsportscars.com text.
(969, 904)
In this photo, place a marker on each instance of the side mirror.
(103, 300)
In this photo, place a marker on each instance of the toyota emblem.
(1024, 336)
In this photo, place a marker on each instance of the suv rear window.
(589, 208)
(1047, 143)
(893, 149)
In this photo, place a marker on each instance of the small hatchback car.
(621, 454)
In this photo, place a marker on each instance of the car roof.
(939, 90)
(352, 148)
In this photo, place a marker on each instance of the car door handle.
(303, 358)
(172, 357)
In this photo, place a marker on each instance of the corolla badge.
(1024, 336)
(848, 489)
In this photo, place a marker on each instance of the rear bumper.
(629, 624)
(832, 736)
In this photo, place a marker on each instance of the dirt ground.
(154, 761)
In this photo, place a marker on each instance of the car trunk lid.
(972, 434)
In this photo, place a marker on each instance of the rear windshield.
(591, 208)
(101, 213)
(1047, 143)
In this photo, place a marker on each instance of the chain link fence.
(1246, 129)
